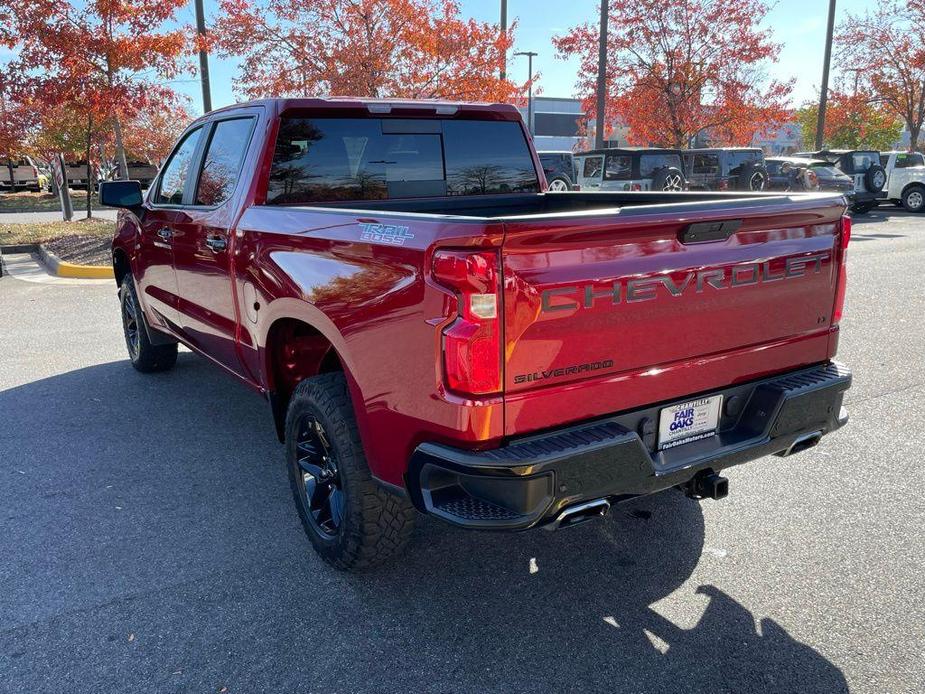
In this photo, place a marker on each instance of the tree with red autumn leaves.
(853, 121)
(100, 57)
(677, 69)
(884, 46)
(17, 117)
(370, 48)
(155, 128)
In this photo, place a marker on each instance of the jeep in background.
(905, 179)
(20, 174)
(796, 174)
(631, 169)
(726, 168)
(863, 166)
(435, 333)
(559, 168)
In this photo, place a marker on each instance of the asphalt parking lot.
(148, 540)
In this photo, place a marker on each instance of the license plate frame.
(688, 421)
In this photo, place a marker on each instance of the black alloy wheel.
(130, 325)
(321, 489)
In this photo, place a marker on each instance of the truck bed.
(493, 207)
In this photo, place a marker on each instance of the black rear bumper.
(532, 480)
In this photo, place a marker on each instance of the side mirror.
(126, 194)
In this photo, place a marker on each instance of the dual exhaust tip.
(705, 485)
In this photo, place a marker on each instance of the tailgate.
(604, 313)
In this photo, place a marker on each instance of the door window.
(592, 167)
(173, 180)
(618, 168)
(222, 163)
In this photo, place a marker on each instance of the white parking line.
(25, 267)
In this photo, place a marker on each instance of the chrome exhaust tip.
(580, 513)
(802, 443)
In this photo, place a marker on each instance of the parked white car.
(905, 179)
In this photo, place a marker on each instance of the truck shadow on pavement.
(155, 544)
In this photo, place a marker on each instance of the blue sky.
(797, 24)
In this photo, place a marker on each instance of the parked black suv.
(863, 166)
(725, 168)
(559, 168)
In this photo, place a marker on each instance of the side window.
(707, 164)
(222, 164)
(485, 157)
(176, 171)
(592, 167)
(618, 168)
(904, 161)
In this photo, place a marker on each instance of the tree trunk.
(121, 163)
(90, 182)
(9, 166)
(914, 137)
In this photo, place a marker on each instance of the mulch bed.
(82, 250)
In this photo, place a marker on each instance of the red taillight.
(636, 187)
(723, 184)
(472, 342)
(843, 241)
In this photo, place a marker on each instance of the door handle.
(216, 243)
(165, 233)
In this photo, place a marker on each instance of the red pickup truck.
(435, 333)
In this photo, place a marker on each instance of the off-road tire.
(863, 207)
(753, 177)
(376, 523)
(668, 178)
(145, 357)
(913, 199)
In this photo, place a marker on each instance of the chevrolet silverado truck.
(436, 334)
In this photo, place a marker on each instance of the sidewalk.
(54, 216)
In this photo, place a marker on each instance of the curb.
(62, 269)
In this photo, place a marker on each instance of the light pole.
(530, 55)
(504, 33)
(602, 77)
(824, 94)
(203, 59)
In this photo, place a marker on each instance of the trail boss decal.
(649, 288)
(391, 234)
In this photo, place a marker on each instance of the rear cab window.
(337, 159)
